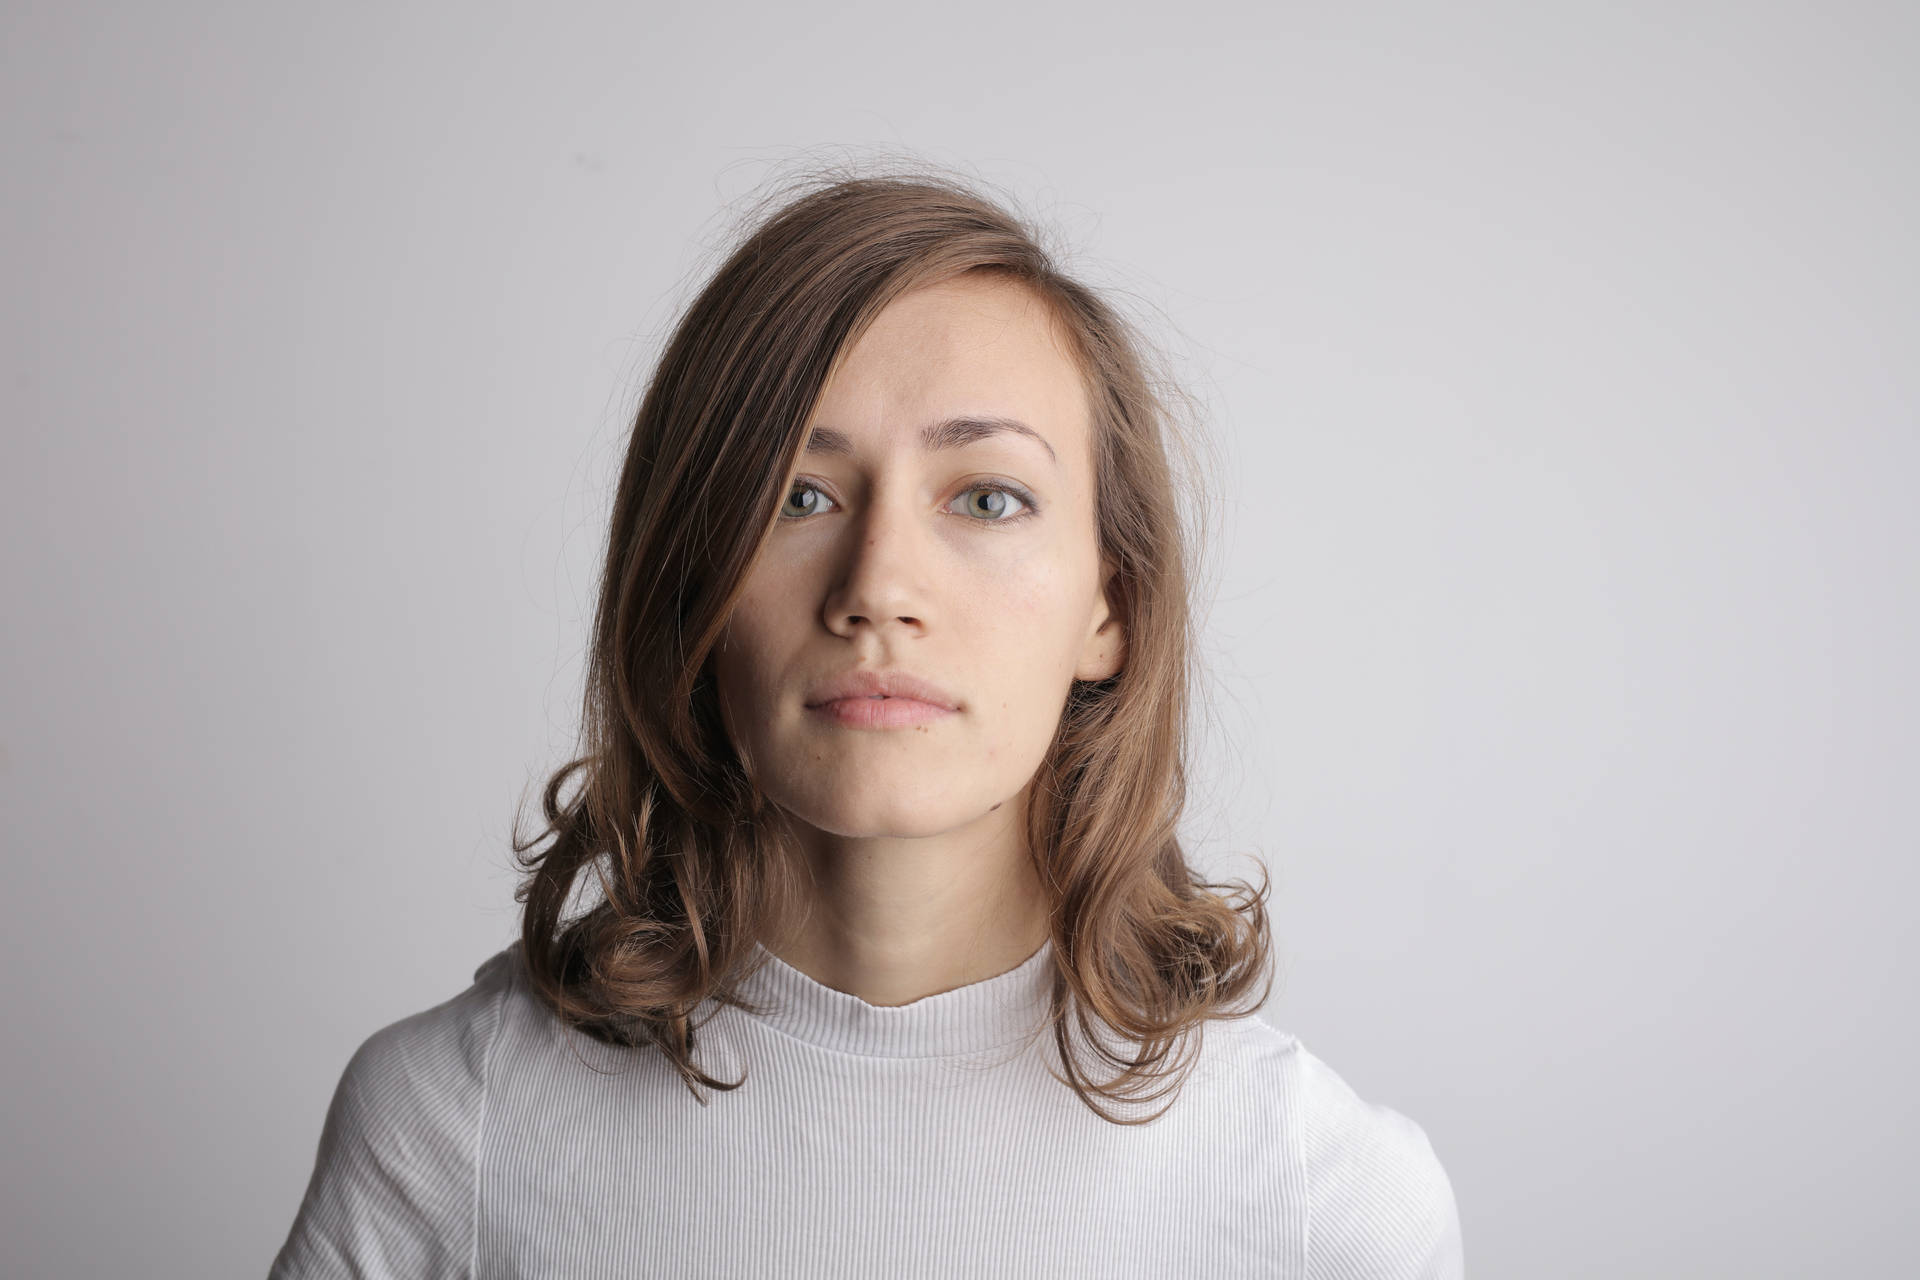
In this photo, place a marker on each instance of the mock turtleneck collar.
(981, 1015)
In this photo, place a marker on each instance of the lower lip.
(880, 713)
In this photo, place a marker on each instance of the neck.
(893, 919)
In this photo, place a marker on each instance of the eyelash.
(1031, 507)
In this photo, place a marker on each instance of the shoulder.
(392, 1183)
(439, 1050)
(1379, 1203)
(426, 1073)
(1358, 1183)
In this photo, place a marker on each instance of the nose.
(883, 571)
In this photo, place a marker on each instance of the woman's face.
(916, 539)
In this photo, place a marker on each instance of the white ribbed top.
(970, 1019)
(480, 1138)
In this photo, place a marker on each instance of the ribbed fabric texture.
(480, 1138)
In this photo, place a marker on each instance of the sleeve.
(1380, 1206)
(393, 1186)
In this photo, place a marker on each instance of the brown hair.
(693, 861)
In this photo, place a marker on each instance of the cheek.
(1026, 646)
(1036, 607)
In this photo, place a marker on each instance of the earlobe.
(1105, 651)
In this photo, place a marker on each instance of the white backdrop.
(1560, 362)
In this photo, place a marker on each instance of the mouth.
(888, 685)
(879, 711)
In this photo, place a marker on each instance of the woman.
(896, 966)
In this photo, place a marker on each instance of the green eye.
(808, 507)
(996, 505)
(806, 499)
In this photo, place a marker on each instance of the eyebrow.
(949, 433)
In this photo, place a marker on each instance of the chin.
(877, 811)
(866, 821)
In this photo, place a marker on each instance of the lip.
(881, 684)
(880, 700)
(880, 713)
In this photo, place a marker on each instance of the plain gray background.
(1560, 361)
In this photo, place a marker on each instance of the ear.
(1105, 649)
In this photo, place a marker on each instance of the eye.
(995, 506)
(807, 508)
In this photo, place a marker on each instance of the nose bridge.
(884, 561)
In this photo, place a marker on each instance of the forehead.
(973, 346)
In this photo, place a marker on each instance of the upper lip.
(891, 684)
